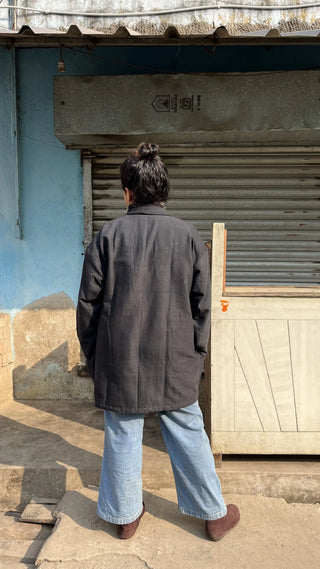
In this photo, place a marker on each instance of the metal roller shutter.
(268, 197)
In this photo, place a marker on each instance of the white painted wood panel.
(218, 250)
(305, 349)
(275, 343)
(222, 362)
(265, 443)
(246, 416)
(266, 308)
(249, 349)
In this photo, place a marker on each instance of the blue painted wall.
(50, 187)
(49, 257)
(9, 246)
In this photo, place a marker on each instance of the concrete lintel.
(267, 138)
(186, 103)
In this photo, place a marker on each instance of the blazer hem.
(137, 410)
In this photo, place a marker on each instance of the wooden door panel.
(275, 341)
(222, 362)
(246, 415)
(305, 348)
(249, 350)
(265, 378)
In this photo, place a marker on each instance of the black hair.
(144, 173)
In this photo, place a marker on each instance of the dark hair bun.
(147, 151)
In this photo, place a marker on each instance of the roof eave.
(77, 37)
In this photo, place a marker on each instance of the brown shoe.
(125, 531)
(216, 529)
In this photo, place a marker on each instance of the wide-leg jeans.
(197, 484)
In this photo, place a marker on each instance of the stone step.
(38, 514)
(20, 542)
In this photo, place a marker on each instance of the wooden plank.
(251, 357)
(275, 291)
(265, 443)
(305, 353)
(266, 308)
(275, 344)
(222, 376)
(224, 259)
(218, 244)
(246, 416)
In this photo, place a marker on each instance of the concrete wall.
(47, 259)
(180, 13)
(41, 185)
(4, 18)
(6, 359)
(9, 245)
(9, 235)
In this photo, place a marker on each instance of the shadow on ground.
(82, 510)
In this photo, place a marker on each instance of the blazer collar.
(149, 209)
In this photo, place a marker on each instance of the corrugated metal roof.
(77, 35)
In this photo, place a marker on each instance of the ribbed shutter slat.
(268, 198)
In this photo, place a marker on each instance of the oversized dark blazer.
(143, 313)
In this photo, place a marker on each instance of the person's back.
(146, 357)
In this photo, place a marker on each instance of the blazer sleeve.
(90, 298)
(200, 299)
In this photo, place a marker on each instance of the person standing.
(143, 320)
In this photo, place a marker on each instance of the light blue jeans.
(197, 484)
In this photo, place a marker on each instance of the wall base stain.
(6, 359)
(47, 352)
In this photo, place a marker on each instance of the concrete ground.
(54, 448)
(271, 534)
(49, 447)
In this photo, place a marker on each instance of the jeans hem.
(206, 517)
(118, 521)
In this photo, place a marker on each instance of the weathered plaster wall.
(4, 18)
(9, 249)
(9, 244)
(220, 104)
(48, 258)
(6, 358)
(47, 351)
(50, 185)
(131, 13)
